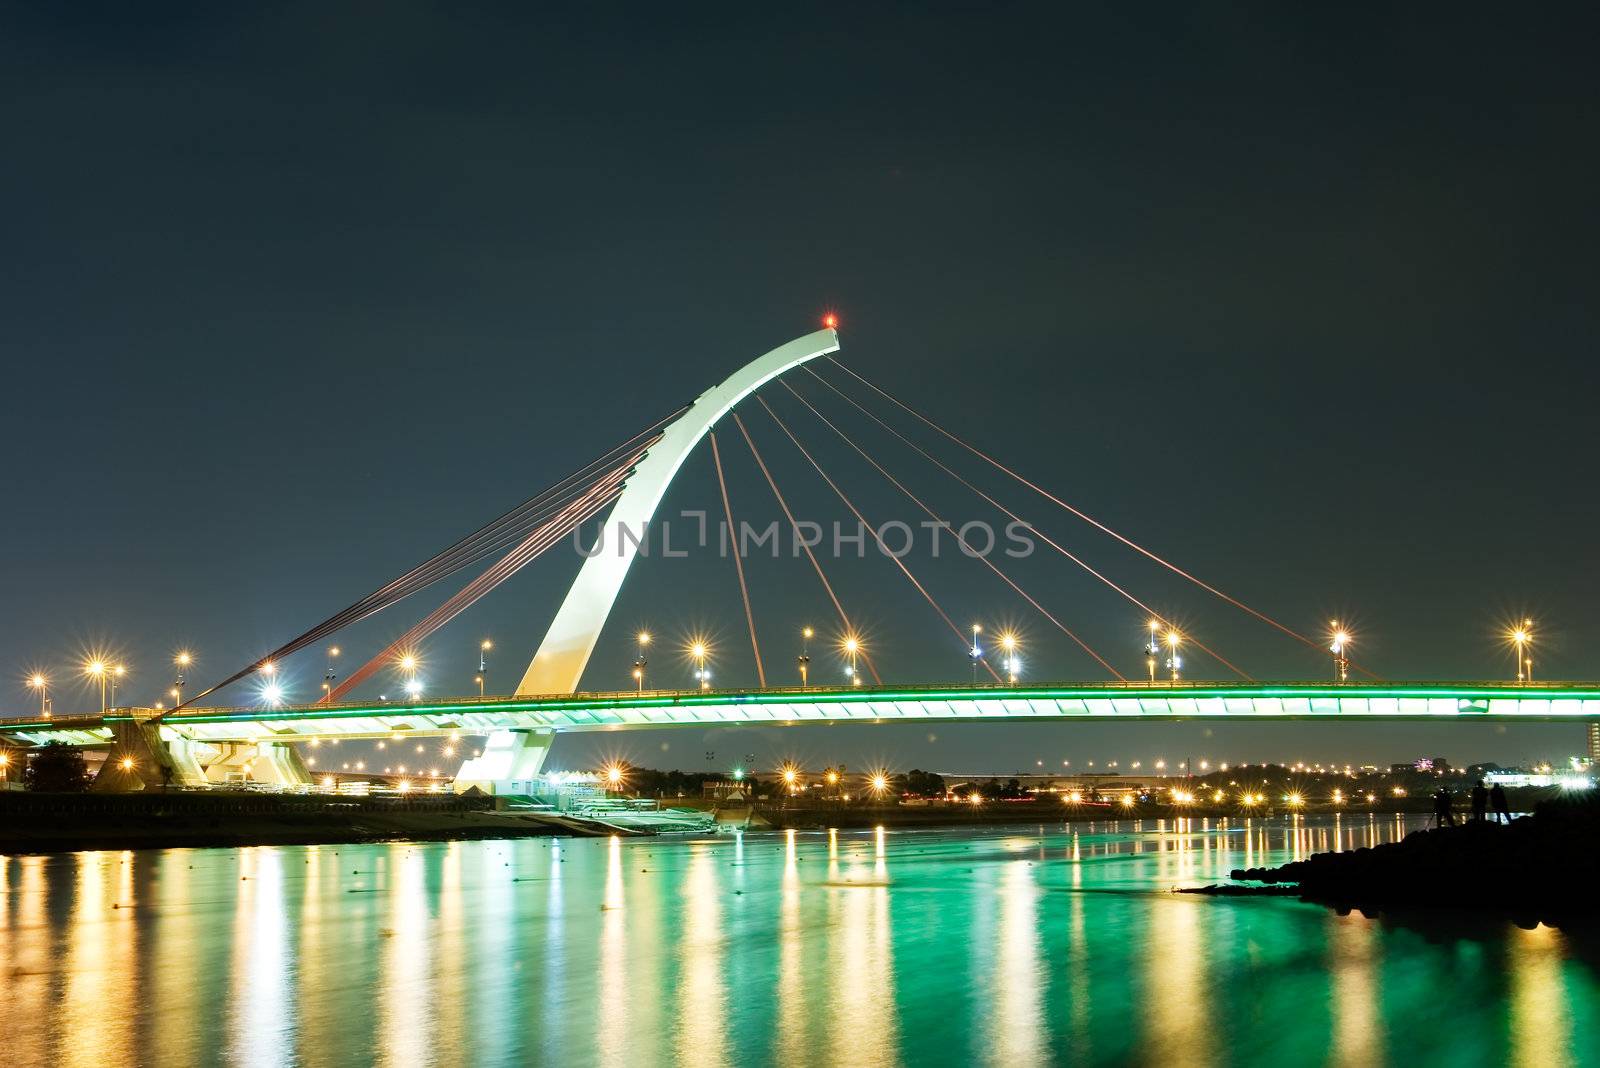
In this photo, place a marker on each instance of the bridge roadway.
(628, 710)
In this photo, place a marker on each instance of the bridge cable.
(373, 604)
(803, 543)
(959, 633)
(531, 548)
(996, 504)
(1087, 518)
(463, 553)
(957, 534)
(738, 562)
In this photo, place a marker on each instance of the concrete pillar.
(271, 763)
(142, 758)
(510, 762)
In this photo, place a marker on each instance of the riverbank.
(55, 823)
(1540, 868)
(852, 815)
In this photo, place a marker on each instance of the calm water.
(1015, 947)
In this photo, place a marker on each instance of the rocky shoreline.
(1543, 868)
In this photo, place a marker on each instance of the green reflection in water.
(1056, 944)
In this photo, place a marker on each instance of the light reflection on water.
(1006, 946)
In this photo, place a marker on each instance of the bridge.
(526, 726)
(194, 744)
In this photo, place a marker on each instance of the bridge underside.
(631, 710)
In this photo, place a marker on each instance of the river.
(1013, 946)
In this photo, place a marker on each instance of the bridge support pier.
(141, 758)
(510, 762)
(271, 763)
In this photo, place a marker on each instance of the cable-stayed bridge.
(195, 742)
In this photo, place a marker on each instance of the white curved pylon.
(559, 662)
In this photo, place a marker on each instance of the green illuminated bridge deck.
(1554, 701)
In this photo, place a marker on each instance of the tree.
(57, 768)
(921, 783)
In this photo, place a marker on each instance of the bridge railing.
(1502, 687)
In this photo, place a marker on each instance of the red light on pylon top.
(830, 321)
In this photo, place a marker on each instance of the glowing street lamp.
(613, 776)
(483, 662)
(803, 661)
(790, 776)
(1341, 662)
(1522, 637)
(852, 649)
(1174, 661)
(328, 675)
(879, 783)
(183, 661)
(1008, 642)
(39, 681)
(641, 662)
(98, 669)
(1152, 650)
(699, 652)
(976, 652)
(272, 694)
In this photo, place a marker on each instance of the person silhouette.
(1480, 801)
(1498, 797)
(1444, 811)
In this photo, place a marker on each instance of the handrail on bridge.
(92, 721)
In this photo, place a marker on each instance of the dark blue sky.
(294, 297)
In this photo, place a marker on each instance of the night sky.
(294, 297)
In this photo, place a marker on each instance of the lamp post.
(698, 651)
(1008, 642)
(1341, 662)
(803, 661)
(97, 669)
(1522, 637)
(39, 681)
(328, 674)
(641, 662)
(1174, 661)
(852, 648)
(483, 662)
(976, 652)
(1152, 650)
(182, 660)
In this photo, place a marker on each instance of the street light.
(1174, 661)
(328, 675)
(976, 652)
(1522, 637)
(1152, 650)
(698, 651)
(1341, 663)
(1008, 642)
(483, 662)
(39, 681)
(96, 669)
(641, 662)
(182, 660)
(852, 648)
(117, 671)
(803, 661)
